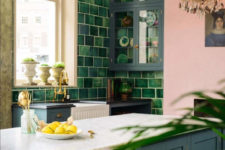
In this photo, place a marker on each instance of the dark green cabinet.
(136, 33)
(196, 140)
(48, 114)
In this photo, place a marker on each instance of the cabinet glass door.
(149, 37)
(123, 36)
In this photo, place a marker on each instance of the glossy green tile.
(97, 82)
(92, 93)
(94, 30)
(83, 29)
(95, 51)
(49, 95)
(88, 83)
(84, 50)
(105, 62)
(92, 1)
(155, 83)
(101, 92)
(106, 3)
(121, 74)
(15, 95)
(80, 82)
(93, 10)
(88, 61)
(82, 72)
(98, 62)
(89, 40)
(148, 93)
(111, 73)
(141, 83)
(159, 93)
(39, 95)
(89, 19)
(80, 18)
(105, 22)
(80, 61)
(102, 72)
(105, 82)
(102, 52)
(83, 93)
(159, 74)
(106, 43)
(157, 103)
(98, 41)
(148, 74)
(103, 11)
(136, 93)
(83, 7)
(98, 21)
(103, 32)
(80, 39)
(98, 2)
(134, 74)
(73, 94)
(92, 72)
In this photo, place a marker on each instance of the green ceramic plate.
(151, 18)
(122, 58)
(124, 41)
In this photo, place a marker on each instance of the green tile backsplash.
(93, 62)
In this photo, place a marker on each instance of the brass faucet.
(60, 91)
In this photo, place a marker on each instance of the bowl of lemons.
(59, 131)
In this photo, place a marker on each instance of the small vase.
(30, 72)
(56, 74)
(44, 75)
(28, 125)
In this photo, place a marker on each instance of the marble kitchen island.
(104, 138)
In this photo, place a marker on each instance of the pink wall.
(188, 65)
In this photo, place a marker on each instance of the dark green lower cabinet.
(46, 114)
(206, 140)
(198, 140)
(223, 145)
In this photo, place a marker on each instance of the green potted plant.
(57, 68)
(212, 107)
(30, 72)
(44, 74)
(125, 90)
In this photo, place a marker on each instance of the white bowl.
(59, 136)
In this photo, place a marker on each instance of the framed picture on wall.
(215, 29)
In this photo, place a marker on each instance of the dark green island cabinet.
(197, 140)
(136, 33)
(48, 112)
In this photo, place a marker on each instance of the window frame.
(66, 42)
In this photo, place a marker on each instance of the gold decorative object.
(62, 81)
(201, 6)
(24, 99)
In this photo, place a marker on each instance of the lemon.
(72, 129)
(53, 126)
(56, 122)
(48, 130)
(60, 130)
(64, 125)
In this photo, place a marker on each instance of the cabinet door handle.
(59, 115)
(136, 46)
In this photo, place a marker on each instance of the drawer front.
(59, 114)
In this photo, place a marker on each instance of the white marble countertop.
(12, 139)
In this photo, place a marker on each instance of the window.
(41, 33)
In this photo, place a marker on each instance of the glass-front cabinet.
(136, 42)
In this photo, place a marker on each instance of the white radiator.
(85, 111)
